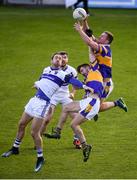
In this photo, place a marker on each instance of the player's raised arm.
(85, 38)
(85, 24)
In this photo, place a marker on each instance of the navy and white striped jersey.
(65, 86)
(50, 81)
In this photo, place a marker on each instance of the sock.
(76, 137)
(84, 144)
(17, 143)
(39, 152)
(58, 130)
(116, 103)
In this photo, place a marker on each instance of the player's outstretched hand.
(77, 26)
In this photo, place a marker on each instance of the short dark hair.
(110, 36)
(54, 55)
(80, 66)
(63, 53)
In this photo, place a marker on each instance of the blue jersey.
(95, 81)
(104, 58)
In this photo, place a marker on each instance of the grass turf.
(28, 37)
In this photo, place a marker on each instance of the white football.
(79, 14)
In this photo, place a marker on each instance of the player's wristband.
(89, 32)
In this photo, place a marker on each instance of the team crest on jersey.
(56, 72)
(88, 108)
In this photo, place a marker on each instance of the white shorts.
(60, 99)
(37, 107)
(89, 107)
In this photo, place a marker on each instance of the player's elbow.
(88, 42)
(93, 45)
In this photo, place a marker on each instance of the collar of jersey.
(65, 68)
(53, 68)
(105, 44)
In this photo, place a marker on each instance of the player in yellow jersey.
(88, 107)
(104, 105)
(100, 53)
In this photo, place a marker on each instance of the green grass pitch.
(28, 37)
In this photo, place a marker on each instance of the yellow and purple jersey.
(95, 81)
(104, 58)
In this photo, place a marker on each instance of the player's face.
(84, 71)
(103, 39)
(57, 60)
(64, 60)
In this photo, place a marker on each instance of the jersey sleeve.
(71, 80)
(103, 49)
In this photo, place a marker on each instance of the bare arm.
(86, 39)
(86, 27)
(85, 24)
(92, 56)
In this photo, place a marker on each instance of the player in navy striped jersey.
(63, 96)
(38, 106)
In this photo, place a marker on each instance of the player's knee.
(34, 134)
(22, 125)
(65, 108)
(73, 125)
(72, 115)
